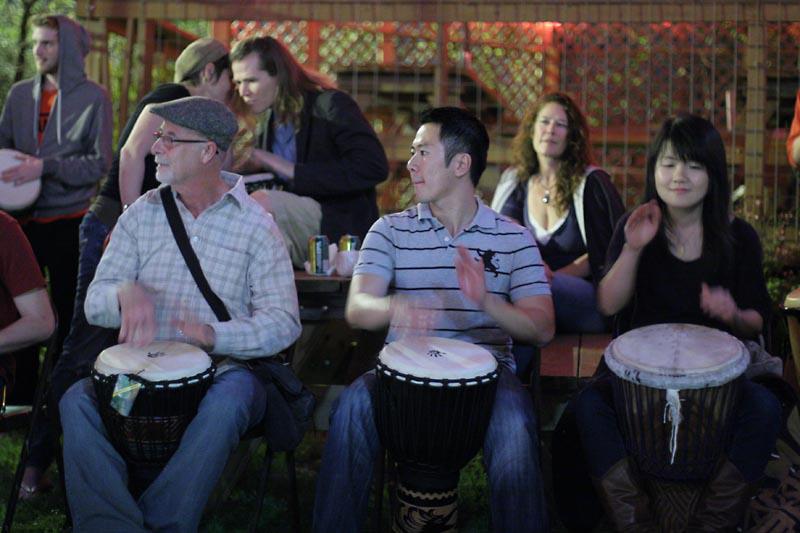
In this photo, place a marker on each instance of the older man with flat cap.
(202, 69)
(144, 287)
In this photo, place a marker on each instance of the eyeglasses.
(169, 141)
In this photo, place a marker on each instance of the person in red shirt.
(26, 316)
(793, 142)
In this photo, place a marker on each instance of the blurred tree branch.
(27, 10)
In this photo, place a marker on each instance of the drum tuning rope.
(672, 413)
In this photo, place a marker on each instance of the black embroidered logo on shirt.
(435, 353)
(153, 355)
(488, 257)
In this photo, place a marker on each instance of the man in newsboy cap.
(202, 69)
(144, 287)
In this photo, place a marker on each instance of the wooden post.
(440, 72)
(97, 60)
(312, 32)
(755, 115)
(221, 31)
(148, 49)
(388, 58)
(552, 55)
(124, 90)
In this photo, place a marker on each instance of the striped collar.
(484, 216)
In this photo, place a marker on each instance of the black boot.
(624, 500)
(724, 501)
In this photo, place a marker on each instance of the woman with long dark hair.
(314, 137)
(682, 257)
(569, 205)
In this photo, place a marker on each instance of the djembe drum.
(148, 396)
(791, 308)
(433, 401)
(14, 198)
(675, 393)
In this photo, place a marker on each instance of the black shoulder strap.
(179, 232)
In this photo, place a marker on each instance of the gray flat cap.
(206, 116)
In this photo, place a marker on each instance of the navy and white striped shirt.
(416, 254)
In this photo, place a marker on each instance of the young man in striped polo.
(487, 281)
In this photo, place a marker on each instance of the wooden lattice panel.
(349, 46)
(293, 34)
(627, 76)
(640, 74)
(508, 60)
(783, 63)
(415, 44)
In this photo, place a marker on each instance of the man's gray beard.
(163, 179)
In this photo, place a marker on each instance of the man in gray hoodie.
(61, 123)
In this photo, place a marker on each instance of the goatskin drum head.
(677, 356)
(437, 358)
(158, 361)
(16, 197)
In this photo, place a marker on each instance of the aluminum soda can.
(349, 242)
(318, 258)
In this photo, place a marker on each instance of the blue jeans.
(757, 423)
(97, 478)
(510, 455)
(575, 303)
(83, 343)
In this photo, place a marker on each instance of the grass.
(46, 512)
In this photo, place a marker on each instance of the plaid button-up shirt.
(242, 255)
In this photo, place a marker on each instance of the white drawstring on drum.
(672, 413)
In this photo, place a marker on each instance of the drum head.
(437, 358)
(158, 361)
(677, 356)
(16, 197)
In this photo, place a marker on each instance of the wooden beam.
(314, 41)
(125, 83)
(629, 11)
(440, 69)
(221, 31)
(97, 60)
(755, 119)
(149, 48)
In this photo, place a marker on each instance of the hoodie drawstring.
(58, 116)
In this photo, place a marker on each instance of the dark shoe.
(724, 501)
(624, 500)
(34, 482)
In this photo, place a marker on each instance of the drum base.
(140, 478)
(419, 511)
(151, 432)
(673, 502)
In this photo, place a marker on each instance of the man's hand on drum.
(201, 335)
(718, 303)
(471, 277)
(29, 169)
(412, 316)
(138, 315)
(642, 225)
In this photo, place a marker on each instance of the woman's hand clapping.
(642, 225)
